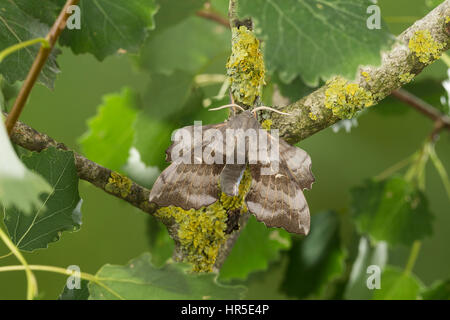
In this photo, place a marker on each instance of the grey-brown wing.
(298, 162)
(187, 185)
(278, 200)
(200, 139)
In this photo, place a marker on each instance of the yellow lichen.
(345, 99)
(267, 124)
(447, 19)
(245, 67)
(312, 116)
(118, 184)
(237, 202)
(425, 47)
(201, 232)
(406, 77)
(366, 75)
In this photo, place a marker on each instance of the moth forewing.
(299, 164)
(198, 142)
(269, 152)
(181, 147)
(213, 150)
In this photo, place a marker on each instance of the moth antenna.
(270, 109)
(231, 105)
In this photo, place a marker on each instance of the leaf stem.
(6, 52)
(413, 257)
(32, 288)
(6, 255)
(83, 275)
(394, 168)
(38, 65)
(416, 173)
(440, 169)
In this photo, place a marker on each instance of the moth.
(276, 192)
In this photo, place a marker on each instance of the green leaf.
(19, 187)
(316, 260)
(393, 210)
(367, 255)
(46, 11)
(255, 248)
(18, 23)
(152, 138)
(75, 294)
(140, 280)
(167, 94)
(61, 208)
(110, 25)
(397, 285)
(8, 91)
(172, 12)
(439, 290)
(315, 39)
(111, 131)
(189, 46)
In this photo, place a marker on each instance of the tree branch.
(378, 81)
(423, 107)
(99, 176)
(38, 64)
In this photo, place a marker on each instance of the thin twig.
(232, 12)
(214, 16)
(38, 64)
(423, 107)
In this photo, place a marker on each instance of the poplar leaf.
(315, 39)
(20, 22)
(397, 285)
(111, 132)
(255, 248)
(140, 280)
(20, 188)
(60, 209)
(393, 210)
(110, 25)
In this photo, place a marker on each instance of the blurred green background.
(114, 232)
